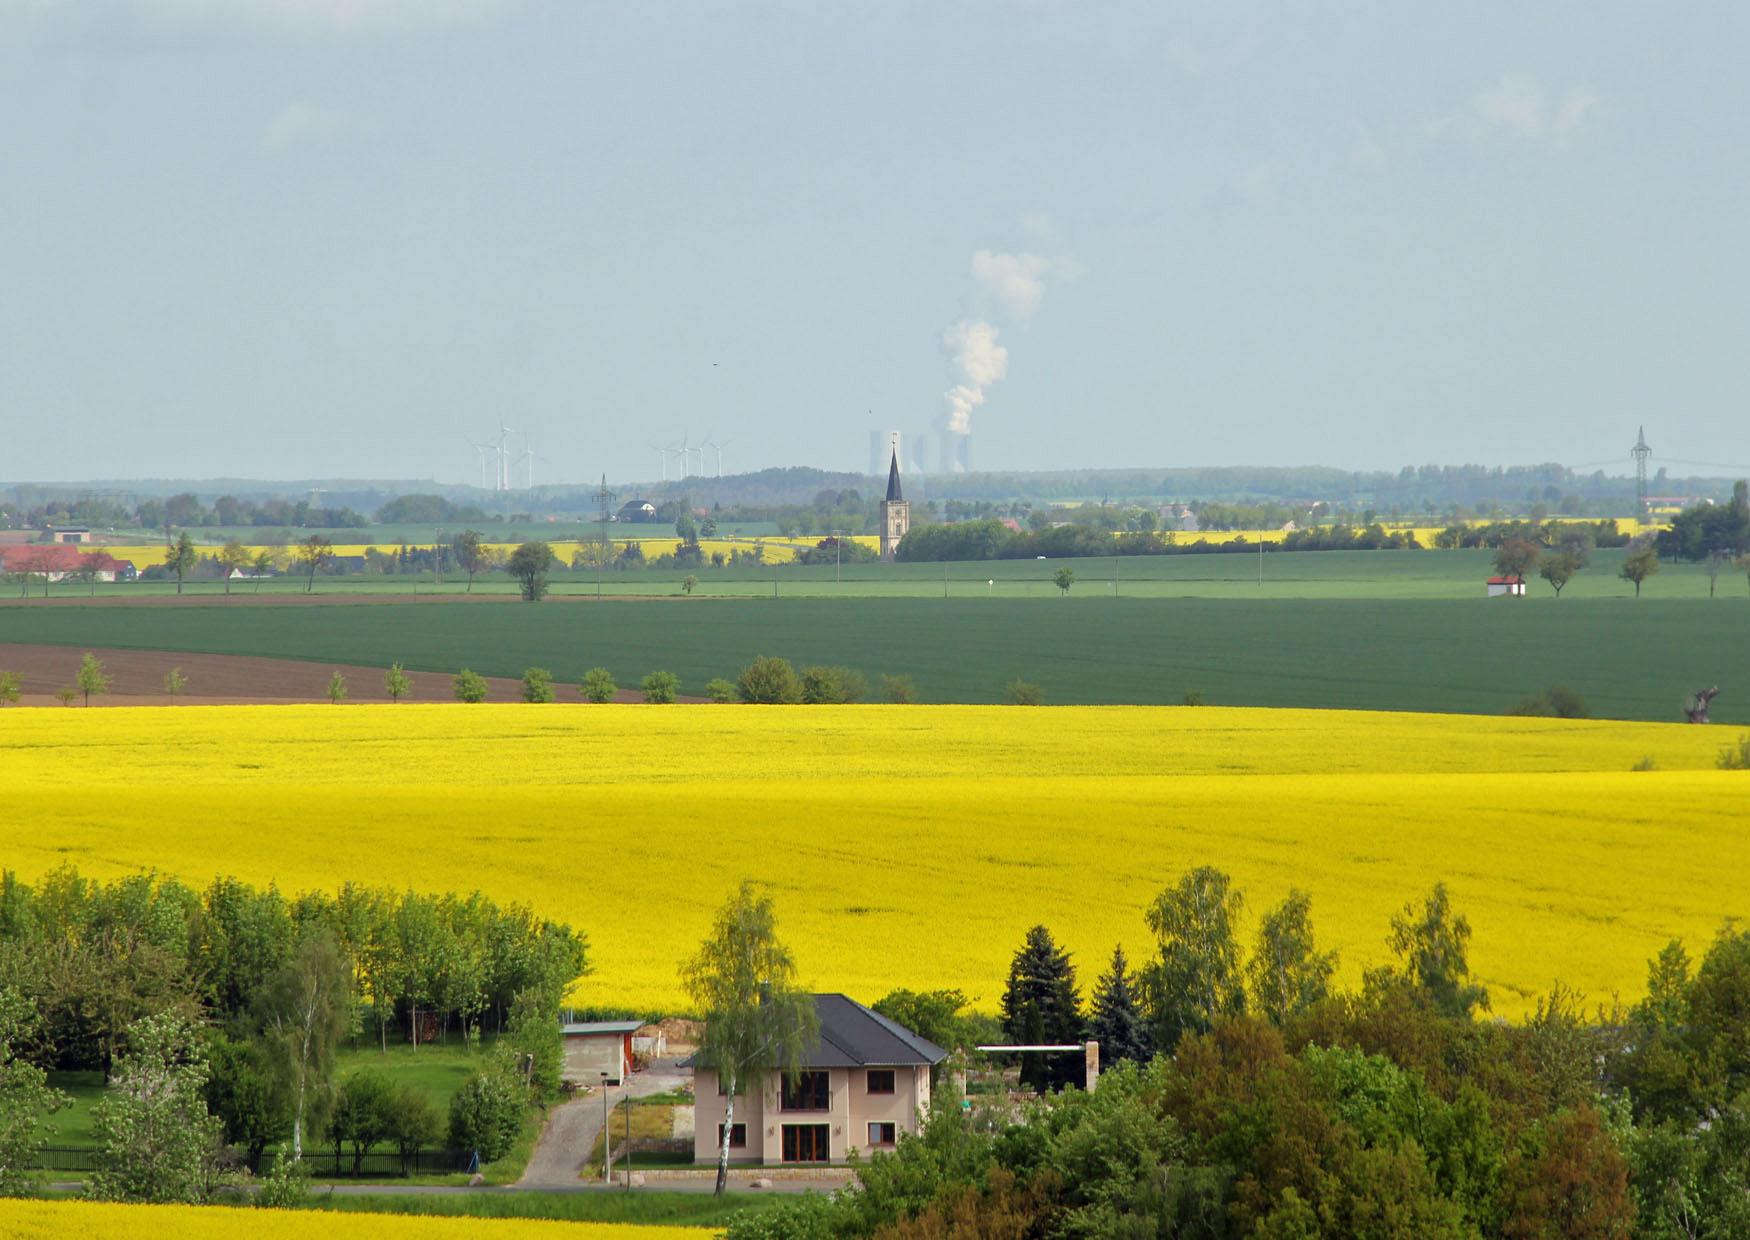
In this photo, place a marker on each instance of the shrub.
(1556, 701)
(8, 687)
(1193, 697)
(769, 681)
(720, 690)
(537, 685)
(832, 686)
(470, 686)
(598, 685)
(67, 696)
(899, 690)
(286, 1186)
(337, 688)
(659, 687)
(1647, 763)
(1024, 693)
(1735, 757)
(175, 682)
(689, 583)
(485, 1114)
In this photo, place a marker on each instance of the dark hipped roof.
(893, 479)
(852, 1036)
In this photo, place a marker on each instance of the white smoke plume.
(1017, 282)
(976, 361)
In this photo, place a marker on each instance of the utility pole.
(1641, 452)
(607, 1136)
(603, 497)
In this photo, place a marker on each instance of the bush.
(1647, 763)
(286, 1186)
(537, 685)
(769, 681)
(470, 686)
(833, 686)
(899, 690)
(486, 1113)
(1023, 693)
(598, 685)
(720, 690)
(1555, 701)
(1193, 697)
(660, 687)
(1735, 757)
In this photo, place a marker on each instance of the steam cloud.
(976, 361)
(1016, 284)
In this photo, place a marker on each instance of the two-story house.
(865, 1081)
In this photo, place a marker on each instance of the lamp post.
(607, 1136)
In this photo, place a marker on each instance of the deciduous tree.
(1641, 562)
(529, 564)
(470, 686)
(159, 1143)
(313, 555)
(468, 557)
(26, 1098)
(1432, 944)
(233, 557)
(180, 558)
(742, 981)
(1195, 978)
(660, 687)
(396, 684)
(1287, 974)
(769, 680)
(304, 1012)
(91, 678)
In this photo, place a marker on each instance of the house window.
(881, 1080)
(737, 1136)
(883, 1134)
(807, 1091)
(740, 1090)
(807, 1143)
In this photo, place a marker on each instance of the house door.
(806, 1143)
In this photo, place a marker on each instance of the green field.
(1629, 658)
(1303, 574)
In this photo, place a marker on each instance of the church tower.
(895, 512)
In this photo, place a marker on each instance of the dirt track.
(137, 679)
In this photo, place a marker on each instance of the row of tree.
(1245, 1097)
(94, 957)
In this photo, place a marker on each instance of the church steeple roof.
(893, 479)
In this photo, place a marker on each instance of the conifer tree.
(1117, 1023)
(1041, 1005)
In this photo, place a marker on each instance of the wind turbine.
(485, 450)
(527, 459)
(661, 459)
(682, 451)
(503, 456)
(718, 448)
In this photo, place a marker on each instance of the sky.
(351, 238)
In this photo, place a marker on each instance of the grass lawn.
(437, 1068)
(643, 1205)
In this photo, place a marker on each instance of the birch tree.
(306, 1009)
(743, 981)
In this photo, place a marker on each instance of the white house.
(1499, 586)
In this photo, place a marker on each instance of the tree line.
(215, 1017)
(1244, 1096)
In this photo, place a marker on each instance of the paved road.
(572, 1128)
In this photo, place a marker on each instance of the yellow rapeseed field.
(90, 1220)
(913, 846)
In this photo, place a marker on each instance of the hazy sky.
(282, 238)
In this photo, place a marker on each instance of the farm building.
(863, 1083)
(72, 534)
(636, 510)
(1499, 586)
(597, 1048)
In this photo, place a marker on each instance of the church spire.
(893, 479)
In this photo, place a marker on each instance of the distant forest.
(1433, 491)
